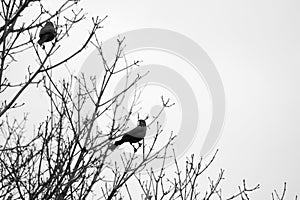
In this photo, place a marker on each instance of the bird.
(47, 33)
(134, 136)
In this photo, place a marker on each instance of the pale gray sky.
(255, 47)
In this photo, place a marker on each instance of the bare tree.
(19, 36)
(184, 185)
(68, 155)
(63, 160)
(277, 196)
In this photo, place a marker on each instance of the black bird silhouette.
(47, 34)
(135, 135)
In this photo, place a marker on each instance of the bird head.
(141, 122)
(48, 23)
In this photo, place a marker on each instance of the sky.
(254, 47)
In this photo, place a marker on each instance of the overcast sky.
(255, 48)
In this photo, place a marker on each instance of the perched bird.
(47, 33)
(135, 135)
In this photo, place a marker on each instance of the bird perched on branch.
(47, 34)
(134, 136)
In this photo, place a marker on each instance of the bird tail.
(112, 147)
(40, 42)
(117, 143)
